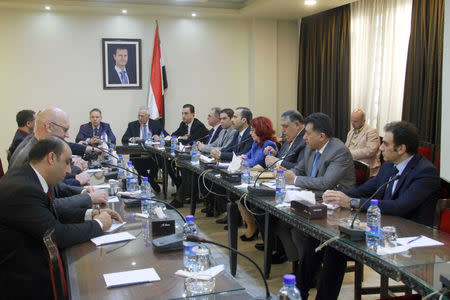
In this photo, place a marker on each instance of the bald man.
(54, 121)
(363, 142)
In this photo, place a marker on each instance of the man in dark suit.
(25, 122)
(92, 131)
(190, 129)
(27, 212)
(292, 150)
(326, 164)
(413, 196)
(242, 140)
(139, 130)
(119, 73)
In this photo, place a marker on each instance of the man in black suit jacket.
(291, 152)
(137, 130)
(190, 129)
(242, 140)
(119, 74)
(413, 196)
(25, 122)
(92, 131)
(27, 212)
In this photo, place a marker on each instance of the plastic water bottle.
(173, 144)
(271, 167)
(131, 178)
(121, 172)
(189, 248)
(110, 157)
(373, 225)
(280, 187)
(162, 142)
(194, 153)
(289, 291)
(104, 137)
(145, 193)
(245, 172)
(149, 140)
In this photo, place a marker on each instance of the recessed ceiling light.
(47, 7)
(194, 14)
(124, 11)
(310, 2)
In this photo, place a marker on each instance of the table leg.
(268, 245)
(193, 201)
(233, 221)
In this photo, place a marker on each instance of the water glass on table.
(389, 234)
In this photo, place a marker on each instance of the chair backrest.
(427, 150)
(362, 172)
(1, 169)
(54, 263)
(442, 212)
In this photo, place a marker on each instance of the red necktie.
(52, 204)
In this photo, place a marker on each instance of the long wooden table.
(419, 268)
(87, 263)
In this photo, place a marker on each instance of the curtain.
(422, 98)
(379, 47)
(324, 67)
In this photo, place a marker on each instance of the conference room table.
(86, 263)
(418, 268)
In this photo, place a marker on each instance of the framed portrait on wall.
(122, 64)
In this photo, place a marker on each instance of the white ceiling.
(269, 9)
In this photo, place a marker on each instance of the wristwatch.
(353, 203)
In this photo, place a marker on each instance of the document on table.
(271, 184)
(91, 171)
(112, 199)
(113, 238)
(418, 241)
(115, 225)
(102, 186)
(131, 277)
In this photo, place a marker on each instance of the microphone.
(240, 143)
(157, 200)
(194, 238)
(262, 191)
(103, 151)
(358, 234)
(107, 164)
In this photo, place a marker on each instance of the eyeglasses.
(62, 127)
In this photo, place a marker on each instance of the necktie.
(123, 77)
(316, 162)
(239, 138)
(223, 138)
(52, 204)
(96, 131)
(389, 191)
(145, 132)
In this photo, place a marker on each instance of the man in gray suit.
(327, 164)
(225, 135)
(292, 150)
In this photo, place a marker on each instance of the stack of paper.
(113, 238)
(131, 277)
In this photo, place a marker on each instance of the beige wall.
(445, 123)
(54, 59)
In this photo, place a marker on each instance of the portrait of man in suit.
(121, 63)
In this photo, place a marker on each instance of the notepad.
(115, 225)
(112, 199)
(131, 277)
(423, 241)
(113, 238)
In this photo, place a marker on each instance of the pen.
(414, 239)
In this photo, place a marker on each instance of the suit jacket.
(113, 77)
(223, 140)
(198, 131)
(292, 157)
(415, 194)
(367, 148)
(335, 167)
(86, 132)
(25, 216)
(213, 134)
(238, 148)
(19, 136)
(134, 130)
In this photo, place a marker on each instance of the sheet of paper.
(113, 238)
(102, 186)
(423, 241)
(223, 164)
(115, 225)
(92, 171)
(112, 199)
(131, 277)
(392, 250)
(271, 184)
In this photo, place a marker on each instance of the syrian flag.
(158, 80)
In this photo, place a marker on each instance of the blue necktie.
(239, 138)
(316, 162)
(145, 133)
(124, 78)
